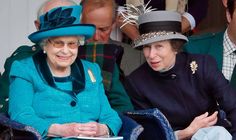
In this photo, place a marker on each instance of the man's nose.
(96, 36)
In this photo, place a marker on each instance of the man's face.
(102, 19)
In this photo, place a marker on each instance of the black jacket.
(182, 94)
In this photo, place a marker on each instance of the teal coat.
(211, 44)
(117, 96)
(39, 102)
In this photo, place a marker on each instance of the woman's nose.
(152, 52)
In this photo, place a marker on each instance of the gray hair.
(43, 43)
(42, 11)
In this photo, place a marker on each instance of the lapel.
(216, 49)
(233, 78)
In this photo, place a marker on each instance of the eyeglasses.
(61, 44)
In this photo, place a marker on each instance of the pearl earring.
(44, 51)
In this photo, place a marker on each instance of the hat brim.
(86, 30)
(160, 38)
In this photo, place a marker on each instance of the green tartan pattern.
(107, 77)
(105, 56)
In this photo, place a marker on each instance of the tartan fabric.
(106, 56)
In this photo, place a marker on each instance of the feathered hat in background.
(153, 25)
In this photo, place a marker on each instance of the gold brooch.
(91, 75)
(193, 66)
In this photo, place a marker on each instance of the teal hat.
(62, 21)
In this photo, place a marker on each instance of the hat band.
(151, 35)
(173, 26)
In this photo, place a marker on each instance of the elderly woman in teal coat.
(55, 92)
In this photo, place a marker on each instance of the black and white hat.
(158, 26)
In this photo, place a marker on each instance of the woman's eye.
(71, 43)
(158, 46)
(146, 46)
(59, 43)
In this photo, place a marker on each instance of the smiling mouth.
(63, 57)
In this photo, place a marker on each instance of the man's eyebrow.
(105, 26)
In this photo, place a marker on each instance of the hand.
(78, 129)
(70, 129)
(100, 129)
(201, 121)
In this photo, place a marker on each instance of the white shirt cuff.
(191, 19)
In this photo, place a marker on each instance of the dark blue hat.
(62, 21)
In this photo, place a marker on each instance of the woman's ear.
(44, 48)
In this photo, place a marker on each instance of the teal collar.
(77, 73)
